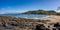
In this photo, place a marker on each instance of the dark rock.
(40, 27)
(12, 23)
(57, 25)
(53, 28)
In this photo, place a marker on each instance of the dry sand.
(52, 18)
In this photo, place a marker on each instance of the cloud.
(12, 11)
(2, 12)
(58, 10)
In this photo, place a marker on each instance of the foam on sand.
(37, 18)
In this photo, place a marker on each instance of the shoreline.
(36, 18)
(19, 23)
(52, 18)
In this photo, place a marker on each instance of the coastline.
(38, 18)
(52, 18)
(30, 23)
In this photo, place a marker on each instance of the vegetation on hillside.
(51, 12)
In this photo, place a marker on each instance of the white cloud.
(57, 10)
(2, 12)
(11, 10)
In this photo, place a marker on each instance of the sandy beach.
(10, 23)
(52, 18)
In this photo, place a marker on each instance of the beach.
(52, 18)
(11, 23)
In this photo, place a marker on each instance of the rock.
(40, 27)
(57, 25)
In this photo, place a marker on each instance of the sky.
(18, 6)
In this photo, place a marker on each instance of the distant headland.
(44, 12)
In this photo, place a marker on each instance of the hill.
(45, 12)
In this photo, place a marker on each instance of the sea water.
(26, 15)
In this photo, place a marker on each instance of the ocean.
(26, 15)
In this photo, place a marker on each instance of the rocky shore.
(13, 23)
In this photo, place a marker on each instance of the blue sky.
(13, 6)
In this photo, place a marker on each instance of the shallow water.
(26, 15)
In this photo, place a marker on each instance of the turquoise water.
(25, 15)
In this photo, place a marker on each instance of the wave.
(37, 18)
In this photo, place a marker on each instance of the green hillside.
(51, 12)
